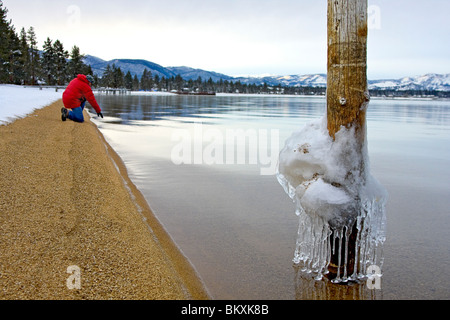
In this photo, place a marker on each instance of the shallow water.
(238, 227)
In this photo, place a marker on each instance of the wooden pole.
(347, 91)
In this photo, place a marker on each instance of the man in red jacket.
(77, 93)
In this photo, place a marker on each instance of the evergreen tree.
(61, 56)
(210, 85)
(145, 80)
(150, 82)
(88, 71)
(220, 86)
(135, 86)
(128, 81)
(76, 65)
(157, 82)
(179, 83)
(143, 83)
(118, 77)
(97, 80)
(48, 62)
(190, 84)
(107, 77)
(113, 77)
(15, 58)
(33, 56)
(25, 59)
(11, 57)
(5, 27)
(199, 82)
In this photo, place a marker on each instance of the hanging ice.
(335, 194)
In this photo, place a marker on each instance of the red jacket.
(78, 90)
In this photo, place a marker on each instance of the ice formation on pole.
(330, 183)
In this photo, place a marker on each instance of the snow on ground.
(18, 101)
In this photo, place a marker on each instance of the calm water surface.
(238, 227)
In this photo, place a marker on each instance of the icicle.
(330, 211)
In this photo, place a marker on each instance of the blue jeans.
(77, 113)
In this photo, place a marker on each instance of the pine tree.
(4, 41)
(61, 56)
(210, 85)
(157, 82)
(145, 80)
(150, 82)
(11, 62)
(25, 59)
(48, 62)
(179, 83)
(33, 53)
(88, 70)
(135, 86)
(118, 77)
(15, 58)
(128, 81)
(199, 82)
(76, 65)
(113, 77)
(107, 77)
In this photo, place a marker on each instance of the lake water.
(228, 214)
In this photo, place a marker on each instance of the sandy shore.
(65, 200)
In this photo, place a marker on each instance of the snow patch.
(18, 101)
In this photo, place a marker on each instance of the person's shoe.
(64, 114)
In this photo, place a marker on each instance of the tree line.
(114, 77)
(21, 61)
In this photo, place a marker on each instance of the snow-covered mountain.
(188, 73)
(433, 82)
(428, 82)
(309, 80)
(136, 67)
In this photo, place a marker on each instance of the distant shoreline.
(162, 93)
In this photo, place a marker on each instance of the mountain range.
(433, 82)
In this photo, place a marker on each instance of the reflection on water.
(239, 229)
(150, 108)
(306, 288)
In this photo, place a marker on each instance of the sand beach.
(66, 201)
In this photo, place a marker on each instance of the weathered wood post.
(347, 92)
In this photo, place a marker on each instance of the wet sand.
(66, 200)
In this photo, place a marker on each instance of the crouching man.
(75, 96)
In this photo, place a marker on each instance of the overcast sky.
(241, 37)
